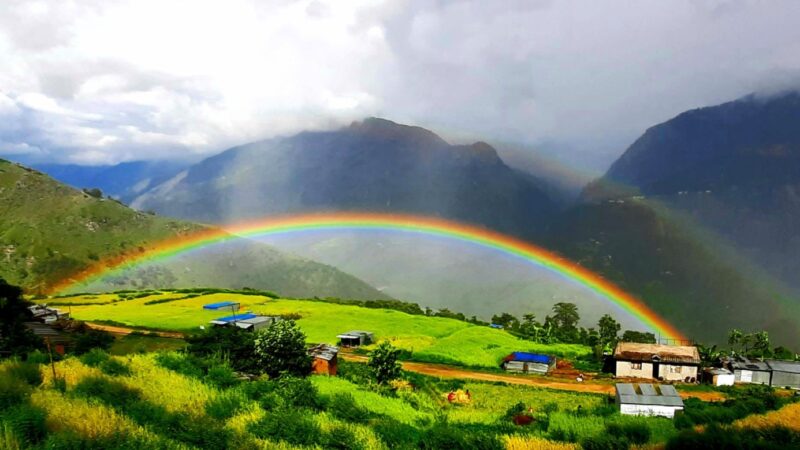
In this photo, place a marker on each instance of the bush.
(94, 357)
(343, 406)
(605, 442)
(230, 344)
(90, 339)
(114, 367)
(636, 433)
(396, 434)
(27, 422)
(714, 436)
(226, 405)
(28, 372)
(383, 362)
(38, 357)
(108, 391)
(182, 364)
(289, 425)
(444, 436)
(341, 437)
(281, 349)
(221, 375)
(13, 391)
(297, 392)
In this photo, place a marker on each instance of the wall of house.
(751, 376)
(676, 372)
(649, 410)
(320, 366)
(625, 369)
(724, 380)
(783, 379)
(519, 367)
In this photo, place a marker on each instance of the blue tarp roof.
(220, 305)
(531, 357)
(237, 317)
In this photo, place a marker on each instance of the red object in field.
(522, 419)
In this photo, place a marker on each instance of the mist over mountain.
(373, 165)
(122, 181)
(50, 231)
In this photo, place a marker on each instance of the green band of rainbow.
(391, 222)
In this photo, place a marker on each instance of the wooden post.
(50, 354)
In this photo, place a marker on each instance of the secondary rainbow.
(389, 222)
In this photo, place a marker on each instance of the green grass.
(375, 403)
(137, 343)
(434, 339)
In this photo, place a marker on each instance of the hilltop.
(50, 231)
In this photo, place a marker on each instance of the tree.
(761, 344)
(383, 362)
(94, 192)
(233, 344)
(507, 321)
(638, 336)
(281, 349)
(15, 337)
(565, 321)
(609, 330)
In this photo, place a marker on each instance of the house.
(718, 376)
(43, 313)
(656, 361)
(785, 373)
(355, 338)
(648, 400)
(245, 321)
(325, 359)
(522, 362)
(747, 370)
(59, 341)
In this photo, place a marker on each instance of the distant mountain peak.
(386, 129)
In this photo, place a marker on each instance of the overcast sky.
(106, 81)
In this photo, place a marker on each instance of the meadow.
(164, 401)
(430, 339)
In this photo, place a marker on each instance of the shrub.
(289, 425)
(226, 405)
(90, 339)
(341, 437)
(383, 362)
(605, 442)
(27, 422)
(636, 433)
(94, 357)
(444, 436)
(28, 372)
(221, 375)
(180, 363)
(38, 357)
(108, 391)
(343, 406)
(13, 391)
(297, 392)
(114, 367)
(396, 434)
(281, 349)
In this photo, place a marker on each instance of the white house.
(648, 400)
(719, 377)
(657, 362)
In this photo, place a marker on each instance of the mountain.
(122, 181)
(701, 217)
(50, 231)
(734, 168)
(374, 165)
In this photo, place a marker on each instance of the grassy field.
(432, 339)
(157, 407)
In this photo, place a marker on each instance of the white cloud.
(141, 79)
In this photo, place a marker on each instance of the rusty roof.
(634, 351)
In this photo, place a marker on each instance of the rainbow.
(388, 222)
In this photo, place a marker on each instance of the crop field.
(431, 339)
(158, 400)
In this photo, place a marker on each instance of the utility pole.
(50, 354)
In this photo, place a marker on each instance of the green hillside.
(434, 339)
(49, 231)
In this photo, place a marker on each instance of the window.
(636, 366)
(675, 369)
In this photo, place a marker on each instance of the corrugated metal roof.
(648, 395)
(236, 317)
(529, 357)
(634, 351)
(784, 366)
(742, 363)
(324, 351)
(220, 305)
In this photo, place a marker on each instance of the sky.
(104, 81)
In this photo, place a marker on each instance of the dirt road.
(124, 331)
(444, 371)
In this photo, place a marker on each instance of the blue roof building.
(524, 362)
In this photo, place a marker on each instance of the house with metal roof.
(325, 359)
(718, 376)
(524, 362)
(355, 338)
(656, 361)
(59, 340)
(747, 370)
(648, 400)
(785, 373)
